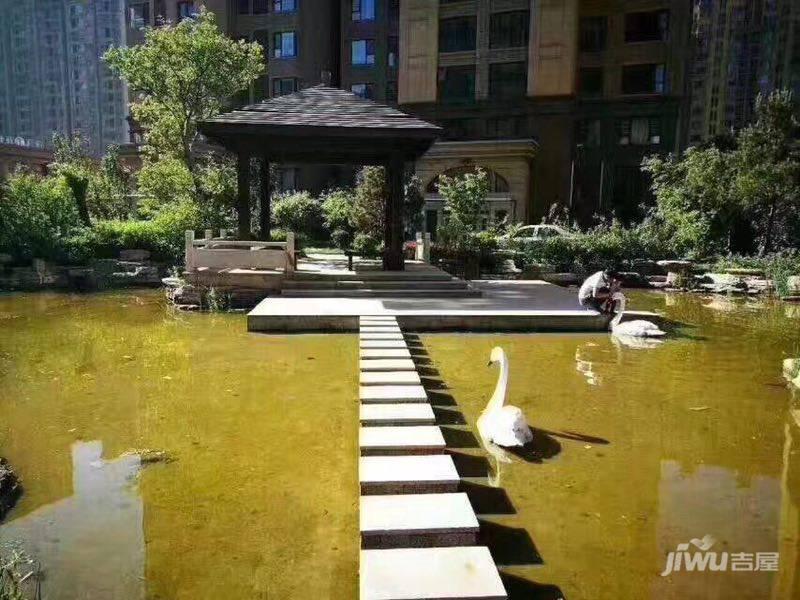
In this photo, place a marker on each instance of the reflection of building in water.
(90, 545)
(742, 516)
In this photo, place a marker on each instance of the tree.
(370, 199)
(180, 75)
(414, 201)
(768, 177)
(72, 162)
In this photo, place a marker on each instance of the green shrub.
(342, 238)
(367, 245)
(163, 183)
(37, 215)
(162, 236)
(300, 213)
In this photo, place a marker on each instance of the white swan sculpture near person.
(500, 424)
(631, 329)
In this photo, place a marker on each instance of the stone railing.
(224, 253)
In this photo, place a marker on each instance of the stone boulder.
(134, 255)
(10, 488)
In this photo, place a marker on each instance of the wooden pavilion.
(323, 125)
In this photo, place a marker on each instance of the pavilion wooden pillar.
(243, 194)
(393, 217)
(265, 213)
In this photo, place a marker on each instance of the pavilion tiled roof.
(325, 107)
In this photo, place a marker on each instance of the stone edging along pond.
(10, 488)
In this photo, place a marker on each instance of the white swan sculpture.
(499, 424)
(637, 329)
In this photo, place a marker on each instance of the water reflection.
(91, 544)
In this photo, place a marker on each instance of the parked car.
(536, 233)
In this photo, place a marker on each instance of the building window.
(641, 131)
(284, 6)
(509, 29)
(508, 80)
(391, 92)
(650, 26)
(186, 10)
(363, 90)
(590, 81)
(392, 55)
(506, 127)
(362, 52)
(593, 33)
(457, 34)
(363, 10)
(284, 44)
(394, 10)
(589, 133)
(644, 79)
(283, 85)
(457, 84)
(260, 7)
(138, 15)
(243, 7)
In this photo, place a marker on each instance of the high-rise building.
(558, 99)
(52, 78)
(741, 48)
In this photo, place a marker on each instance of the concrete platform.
(503, 306)
(384, 344)
(397, 414)
(383, 353)
(385, 394)
(378, 329)
(409, 439)
(377, 319)
(461, 573)
(389, 378)
(417, 521)
(427, 474)
(381, 336)
(387, 364)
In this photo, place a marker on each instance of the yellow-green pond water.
(641, 450)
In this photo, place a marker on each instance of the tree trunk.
(265, 213)
(79, 186)
(767, 245)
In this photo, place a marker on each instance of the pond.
(259, 499)
(644, 449)
(639, 450)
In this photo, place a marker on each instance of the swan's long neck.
(620, 309)
(499, 397)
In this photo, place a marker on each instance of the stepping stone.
(382, 318)
(462, 573)
(417, 520)
(390, 378)
(378, 353)
(410, 439)
(387, 364)
(383, 394)
(397, 414)
(425, 474)
(379, 329)
(382, 344)
(381, 336)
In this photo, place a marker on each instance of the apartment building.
(741, 48)
(558, 100)
(51, 76)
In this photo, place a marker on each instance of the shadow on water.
(487, 500)
(575, 436)
(440, 397)
(519, 588)
(469, 465)
(459, 438)
(543, 447)
(446, 416)
(509, 545)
